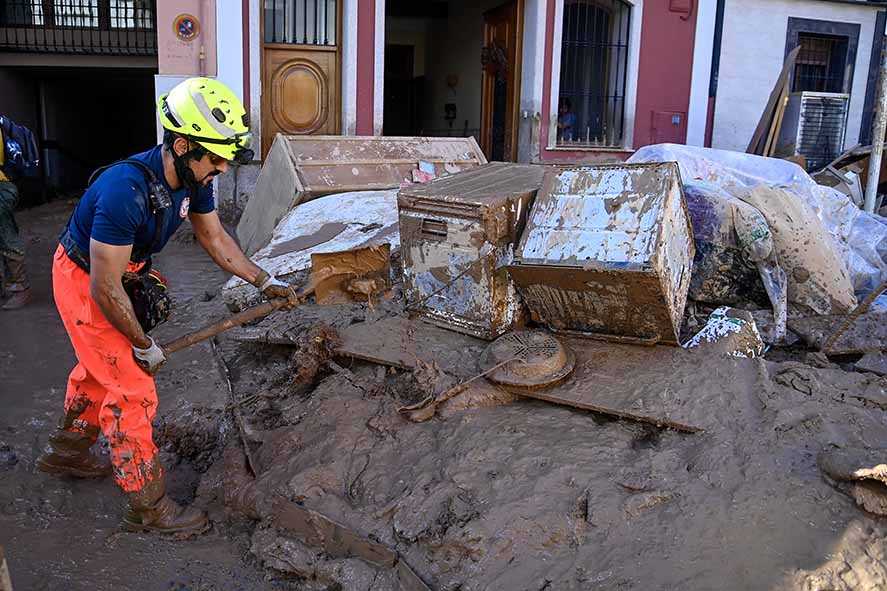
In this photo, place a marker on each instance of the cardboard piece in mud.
(457, 235)
(608, 251)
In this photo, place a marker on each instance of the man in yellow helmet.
(108, 299)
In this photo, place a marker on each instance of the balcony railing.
(85, 27)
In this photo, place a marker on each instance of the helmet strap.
(183, 171)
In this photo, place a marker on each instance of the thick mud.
(495, 492)
(64, 534)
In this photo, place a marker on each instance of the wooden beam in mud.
(338, 541)
(400, 342)
(5, 578)
(626, 382)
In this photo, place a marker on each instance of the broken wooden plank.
(5, 578)
(301, 168)
(318, 531)
(773, 136)
(399, 342)
(755, 146)
(636, 383)
(867, 333)
(875, 362)
(339, 541)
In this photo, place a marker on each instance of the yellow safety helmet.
(208, 113)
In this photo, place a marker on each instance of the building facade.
(552, 81)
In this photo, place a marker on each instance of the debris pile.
(435, 437)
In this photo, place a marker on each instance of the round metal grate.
(529, 359)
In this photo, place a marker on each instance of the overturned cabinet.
(457, 236)
(608, 251)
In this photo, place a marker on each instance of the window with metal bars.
(83, 14)
(111, 27)
(821, 63)
(594, 64)
(301, 22)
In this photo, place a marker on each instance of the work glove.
(273, 288)
(149, 359)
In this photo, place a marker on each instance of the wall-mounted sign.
(186, 35)
(186, 27)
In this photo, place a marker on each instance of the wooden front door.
(301, 89)
(501, 60)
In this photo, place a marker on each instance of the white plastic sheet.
(860, 237)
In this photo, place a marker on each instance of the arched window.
(594, 61)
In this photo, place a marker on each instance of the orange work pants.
(106, 388)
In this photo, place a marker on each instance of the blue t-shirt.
(115, 208)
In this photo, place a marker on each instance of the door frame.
(485, 115)
(337, 49)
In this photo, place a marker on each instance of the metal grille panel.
(301, 22)
(820, 64)
(594, 65)
(822, 127)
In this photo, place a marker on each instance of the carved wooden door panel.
(301, 89)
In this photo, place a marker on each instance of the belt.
(73, 250)
(81, 258)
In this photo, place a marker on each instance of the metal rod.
(273, 24)
(878, 128)
(854, 314)
(627, 20)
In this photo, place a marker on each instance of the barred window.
(821, 63)
(303, 22)
(594, 64)
(82, 14)
(132, 14)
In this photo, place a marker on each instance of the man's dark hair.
(169, 139)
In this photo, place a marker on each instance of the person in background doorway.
(12, 247)
(566, 120)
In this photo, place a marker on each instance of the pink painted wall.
(665, 72)
(366, 55)
(182, 56)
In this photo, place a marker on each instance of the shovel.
(335, 277)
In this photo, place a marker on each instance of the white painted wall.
(255, 71)
(379, 69)
(229, 45)
(349, 67)
(752, 54)
(532, 76)
(697, 116)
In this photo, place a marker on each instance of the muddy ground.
(64, 535)
(518, 495)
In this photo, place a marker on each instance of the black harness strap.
(159, 201)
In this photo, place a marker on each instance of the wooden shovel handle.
(248, 315)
